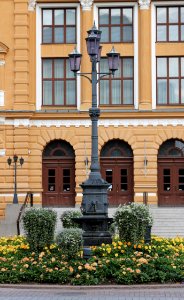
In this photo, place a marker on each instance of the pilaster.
(144, 55)
(86, 24)
(21, 55)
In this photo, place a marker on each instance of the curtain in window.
(104, 92)
(70, 92)
(128, 92)
(47, 92)
(162, 91)
(116, 91)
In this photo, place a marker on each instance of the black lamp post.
(95, 221)
(15, 160)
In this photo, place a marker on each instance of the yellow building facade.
(44, 114)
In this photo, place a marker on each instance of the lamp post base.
(15, 199)
(95, 229)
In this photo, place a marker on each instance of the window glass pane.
(161, 33)
(127, 16)
(47, 35)
(69, 73)
(115, 16)
(70, 35)
(162, 91)
(47, 68)
(104, 16)
(161, 67)
(70, 17)
(47, 17)
(173, 91)
(182, 14)
(104, 92)
(173, 33)
(127, 33)
(127, 67)
(59, 92)
(182, 66)
(105, 34)
(59, 35)
(182, 90)
(116, 91)
(47, 92)
(58, 68)
(161, 15)
(173, 14)
(173, 67)
(128, 92)
(118, 72)
(104, 65)
(182, 32)
(70, 92)
(59, 17)
(115, 34)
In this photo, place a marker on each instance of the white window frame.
(39, 8)
(135, 34)
(153, 42)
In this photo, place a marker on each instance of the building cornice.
(87, 122)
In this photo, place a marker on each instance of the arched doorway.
(58, 174)
(116, 161)
(171, 173)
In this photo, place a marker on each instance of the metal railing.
(28, 199)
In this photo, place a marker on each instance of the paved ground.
(35, 292)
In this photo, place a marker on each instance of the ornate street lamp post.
(15, 161)
(95, 221)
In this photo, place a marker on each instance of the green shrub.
(39, 225)
(70, 241)
(67, 216)
(132, 221)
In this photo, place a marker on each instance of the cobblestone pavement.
(89, 293)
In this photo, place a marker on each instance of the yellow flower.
(71, 269)
(52, 246)
(79, 267)
(41, 254)
(53, 259)
(129, 244)
(116, 254)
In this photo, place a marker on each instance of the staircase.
(168, 222)
(8, 225)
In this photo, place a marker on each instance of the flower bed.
(119, 263)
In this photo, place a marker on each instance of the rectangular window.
(59, 26)
(116, 24)
(170, 79)
(117, 89)
(170, 24)
(58, 83)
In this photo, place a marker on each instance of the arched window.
(58, 148)
(116, 148)
(172, 147)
